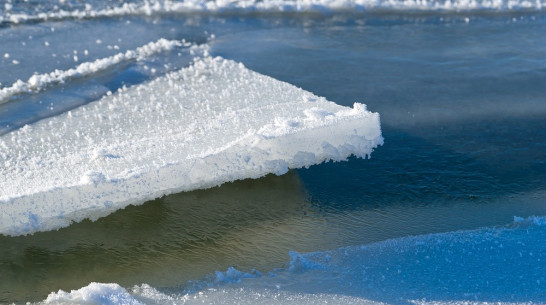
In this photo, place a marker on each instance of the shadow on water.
(412, 170)
(163, 242)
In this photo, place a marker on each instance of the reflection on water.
(247, 224)
(163, 242)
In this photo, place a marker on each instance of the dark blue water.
(462, 104)
(463, 113)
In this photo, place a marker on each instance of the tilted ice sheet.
(54, 10)
(204, 125)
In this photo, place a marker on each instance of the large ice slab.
(213, 122)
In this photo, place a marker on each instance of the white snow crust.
(38, 82)
(199, 127)
(151, 7)
(94, 293)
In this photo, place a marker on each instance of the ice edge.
(313, 137)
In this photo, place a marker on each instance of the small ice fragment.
(94, 293)
(6, 55)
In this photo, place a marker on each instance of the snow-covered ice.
(152, 7)
(207, 124)
(38, 82)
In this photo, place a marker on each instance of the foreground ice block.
(199, 127)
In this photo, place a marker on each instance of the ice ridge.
(153, 7)
(38, 82)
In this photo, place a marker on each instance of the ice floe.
(207, 124)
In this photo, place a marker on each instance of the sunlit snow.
(207, 124)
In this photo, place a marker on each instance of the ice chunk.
(233, 275)
(94, 293)
(199, 127)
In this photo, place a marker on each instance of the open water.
(462, 98)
